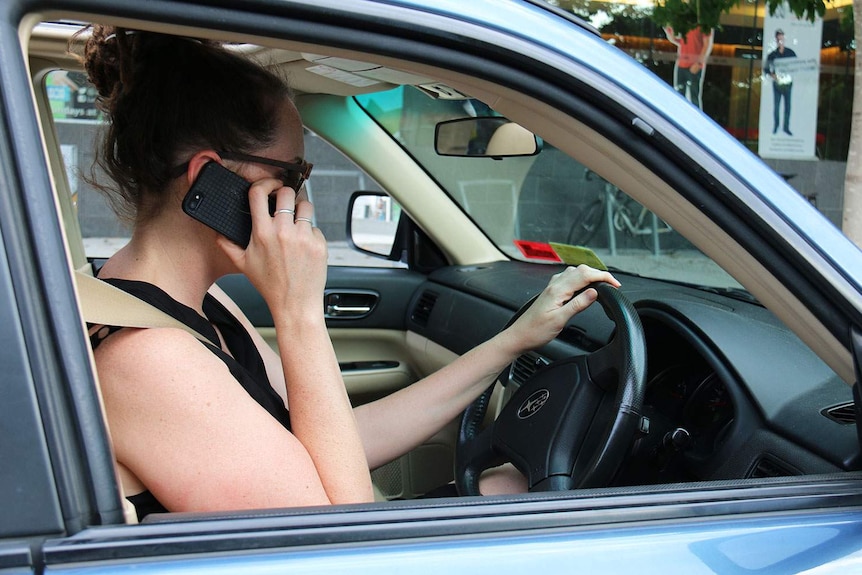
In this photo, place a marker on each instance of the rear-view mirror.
(486, 137)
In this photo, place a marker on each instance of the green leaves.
(807, 9)
(686, 15)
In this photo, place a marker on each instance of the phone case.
(219, 199)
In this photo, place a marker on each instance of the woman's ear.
(198, 161)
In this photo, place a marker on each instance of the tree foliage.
(686, 15)
(807, 9)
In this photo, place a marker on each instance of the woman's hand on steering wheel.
(562, 298)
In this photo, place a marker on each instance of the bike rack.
(612, 230)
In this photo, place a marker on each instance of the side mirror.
(372, 224)
(485, 137)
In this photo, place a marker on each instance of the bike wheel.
(586, 224)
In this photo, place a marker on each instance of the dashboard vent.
(525, 366)
(771, 467)
(422, 312)
(844, 413)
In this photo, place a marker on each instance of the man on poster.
(693, 49)
(782, 81)
(787, 128)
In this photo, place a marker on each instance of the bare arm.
(401, 421)
(671, 35)
(393, 425)
(286, 262)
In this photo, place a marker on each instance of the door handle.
(349, 304)
(341, 310)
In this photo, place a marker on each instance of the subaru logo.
(533, 404)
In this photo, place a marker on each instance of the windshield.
(537, 207)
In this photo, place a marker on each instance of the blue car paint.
(819, 543)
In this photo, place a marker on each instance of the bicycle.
(615, 208)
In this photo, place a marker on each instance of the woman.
(186, 436)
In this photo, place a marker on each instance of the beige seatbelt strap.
(104, 304)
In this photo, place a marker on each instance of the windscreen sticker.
(537, 250)
(577, 255)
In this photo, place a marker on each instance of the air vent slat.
(525, 366)
(844, 413)
(424, 305)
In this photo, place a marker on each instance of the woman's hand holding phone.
(286, 257)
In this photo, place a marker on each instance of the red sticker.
(537, 250)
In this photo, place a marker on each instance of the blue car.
(700, 419)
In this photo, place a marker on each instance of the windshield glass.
(536, 207)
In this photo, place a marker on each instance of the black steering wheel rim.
(613, 377)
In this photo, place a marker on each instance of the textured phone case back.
(219, 199)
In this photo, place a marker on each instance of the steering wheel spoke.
(475, 457)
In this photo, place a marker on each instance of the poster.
(790, 82)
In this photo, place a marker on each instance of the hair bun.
(103, 59)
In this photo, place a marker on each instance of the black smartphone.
(218, 198)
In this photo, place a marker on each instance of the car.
(700, 419)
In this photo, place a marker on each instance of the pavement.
(688, 266)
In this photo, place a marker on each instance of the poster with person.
(789, 89)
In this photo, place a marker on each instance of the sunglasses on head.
(292, 175)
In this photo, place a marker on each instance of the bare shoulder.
(141, 354)
(146, 373)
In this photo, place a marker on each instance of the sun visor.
(364, 74)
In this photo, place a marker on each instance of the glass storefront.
(786, 96)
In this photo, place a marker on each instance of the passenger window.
(78, 123)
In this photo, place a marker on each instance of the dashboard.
(731, 392)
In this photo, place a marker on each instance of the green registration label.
(577, 255)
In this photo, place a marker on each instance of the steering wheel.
(570, 425)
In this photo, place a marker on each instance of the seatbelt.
(104, 304)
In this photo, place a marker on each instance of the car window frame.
(53, 336)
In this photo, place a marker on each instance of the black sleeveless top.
(246, 365)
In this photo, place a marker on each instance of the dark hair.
(779, 32)
(166, 97)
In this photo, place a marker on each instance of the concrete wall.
(822, 182)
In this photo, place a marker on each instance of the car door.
(781, 525)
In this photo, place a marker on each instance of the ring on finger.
(301, 219)
(284, 211)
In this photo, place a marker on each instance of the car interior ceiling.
(563, 132)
